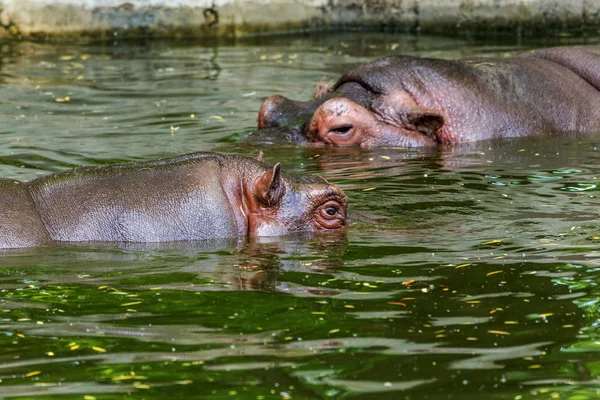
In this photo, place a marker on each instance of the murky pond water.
(469, 273)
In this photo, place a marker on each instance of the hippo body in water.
(195, 196)
(406, 101)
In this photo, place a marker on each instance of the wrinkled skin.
(195, 196)
(415, 102)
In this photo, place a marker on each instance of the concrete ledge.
(74, 19)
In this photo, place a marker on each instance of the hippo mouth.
(276, 135)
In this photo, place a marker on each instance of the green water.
(468, 273)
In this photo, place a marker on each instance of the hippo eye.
(331, 210)
(330, 215)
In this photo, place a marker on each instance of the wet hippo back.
(583, 61)
(20, 223)
(176, 199)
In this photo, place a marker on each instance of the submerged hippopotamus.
(195, 196)
(413, 102)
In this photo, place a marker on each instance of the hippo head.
(276, 203)
(382, 103)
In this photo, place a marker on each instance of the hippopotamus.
(191, 197)
(404, 101)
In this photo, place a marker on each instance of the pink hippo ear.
(268, 188)
(415, 117)
(425, 120)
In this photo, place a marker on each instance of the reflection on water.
(467, 272)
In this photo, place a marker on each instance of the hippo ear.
(426, 121)
(268, 188)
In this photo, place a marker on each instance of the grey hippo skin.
(195, 196)
(20, 223)
(413, 102)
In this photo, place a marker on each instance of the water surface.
(468, 273)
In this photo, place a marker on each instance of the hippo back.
(166, 200)
(584, 61)
(20, 223)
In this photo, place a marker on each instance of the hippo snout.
(268, 115)
(277, 111)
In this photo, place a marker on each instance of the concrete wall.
(238, 18)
